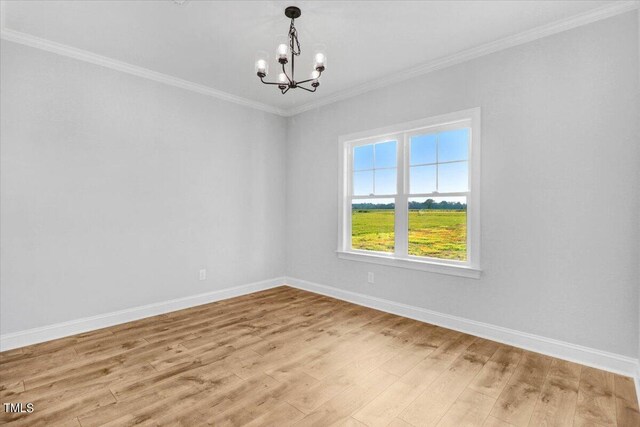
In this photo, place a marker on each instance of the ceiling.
(214, 43)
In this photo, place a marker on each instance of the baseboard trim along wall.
(637, 382)
(587, 356)
(563, 350)
(78, 326)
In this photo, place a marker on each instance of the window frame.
(402, 133)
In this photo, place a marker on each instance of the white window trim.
(469, 268)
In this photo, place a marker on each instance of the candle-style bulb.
(315, 74)
(320, 61)
(282, 52)
(262, 68)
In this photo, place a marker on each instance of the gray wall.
(116, 190)
(560, 199)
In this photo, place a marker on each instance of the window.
(410, 195)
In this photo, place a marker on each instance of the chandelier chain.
(293, 37)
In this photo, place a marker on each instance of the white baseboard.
(637, 378)
(72, 327)
(576, 353)
(563, 350)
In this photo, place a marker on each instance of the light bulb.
(282, 51)
(262, 68)
(282, 78)
(314, 75)
(320, 59)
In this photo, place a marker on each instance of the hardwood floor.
(288, 357)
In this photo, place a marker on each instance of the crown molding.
(597, 14)
(2, 14)
(591, 16)
(83, 55)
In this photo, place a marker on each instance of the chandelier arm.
(308, 90)
(285, 90)
(269, 83)
(287, 75)
(306, 81)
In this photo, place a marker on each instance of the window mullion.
(373, 174)
(401, 211)
(437, 162)
(348, 212)
(347, 243)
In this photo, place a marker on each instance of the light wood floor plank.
(441, 394)
(349, 422)
(627, 414)
(517, 401)
(281, 414)
(389, 404)
(596, 400)
(495, 374)
(470, 409)
(398, 422)
(339, 408)
(495, 422)
(556, 405)
(566, 370)
(625, 389)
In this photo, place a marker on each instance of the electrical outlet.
(370, 277)
(203, 274)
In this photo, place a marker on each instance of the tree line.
(427, 204)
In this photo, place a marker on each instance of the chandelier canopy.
(286, 80)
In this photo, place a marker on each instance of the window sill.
(433, 267)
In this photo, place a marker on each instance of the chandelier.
(286, 80)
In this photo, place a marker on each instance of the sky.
(375, 164)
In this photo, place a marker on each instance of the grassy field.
(433, 233)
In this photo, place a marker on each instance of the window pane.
(385, 181)
(438, 227)
(453, 177)
(363, 157)
(453, 145)
(423, 149)
(423, 179)
(385, 155)
(372, 225)
(363, 183)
